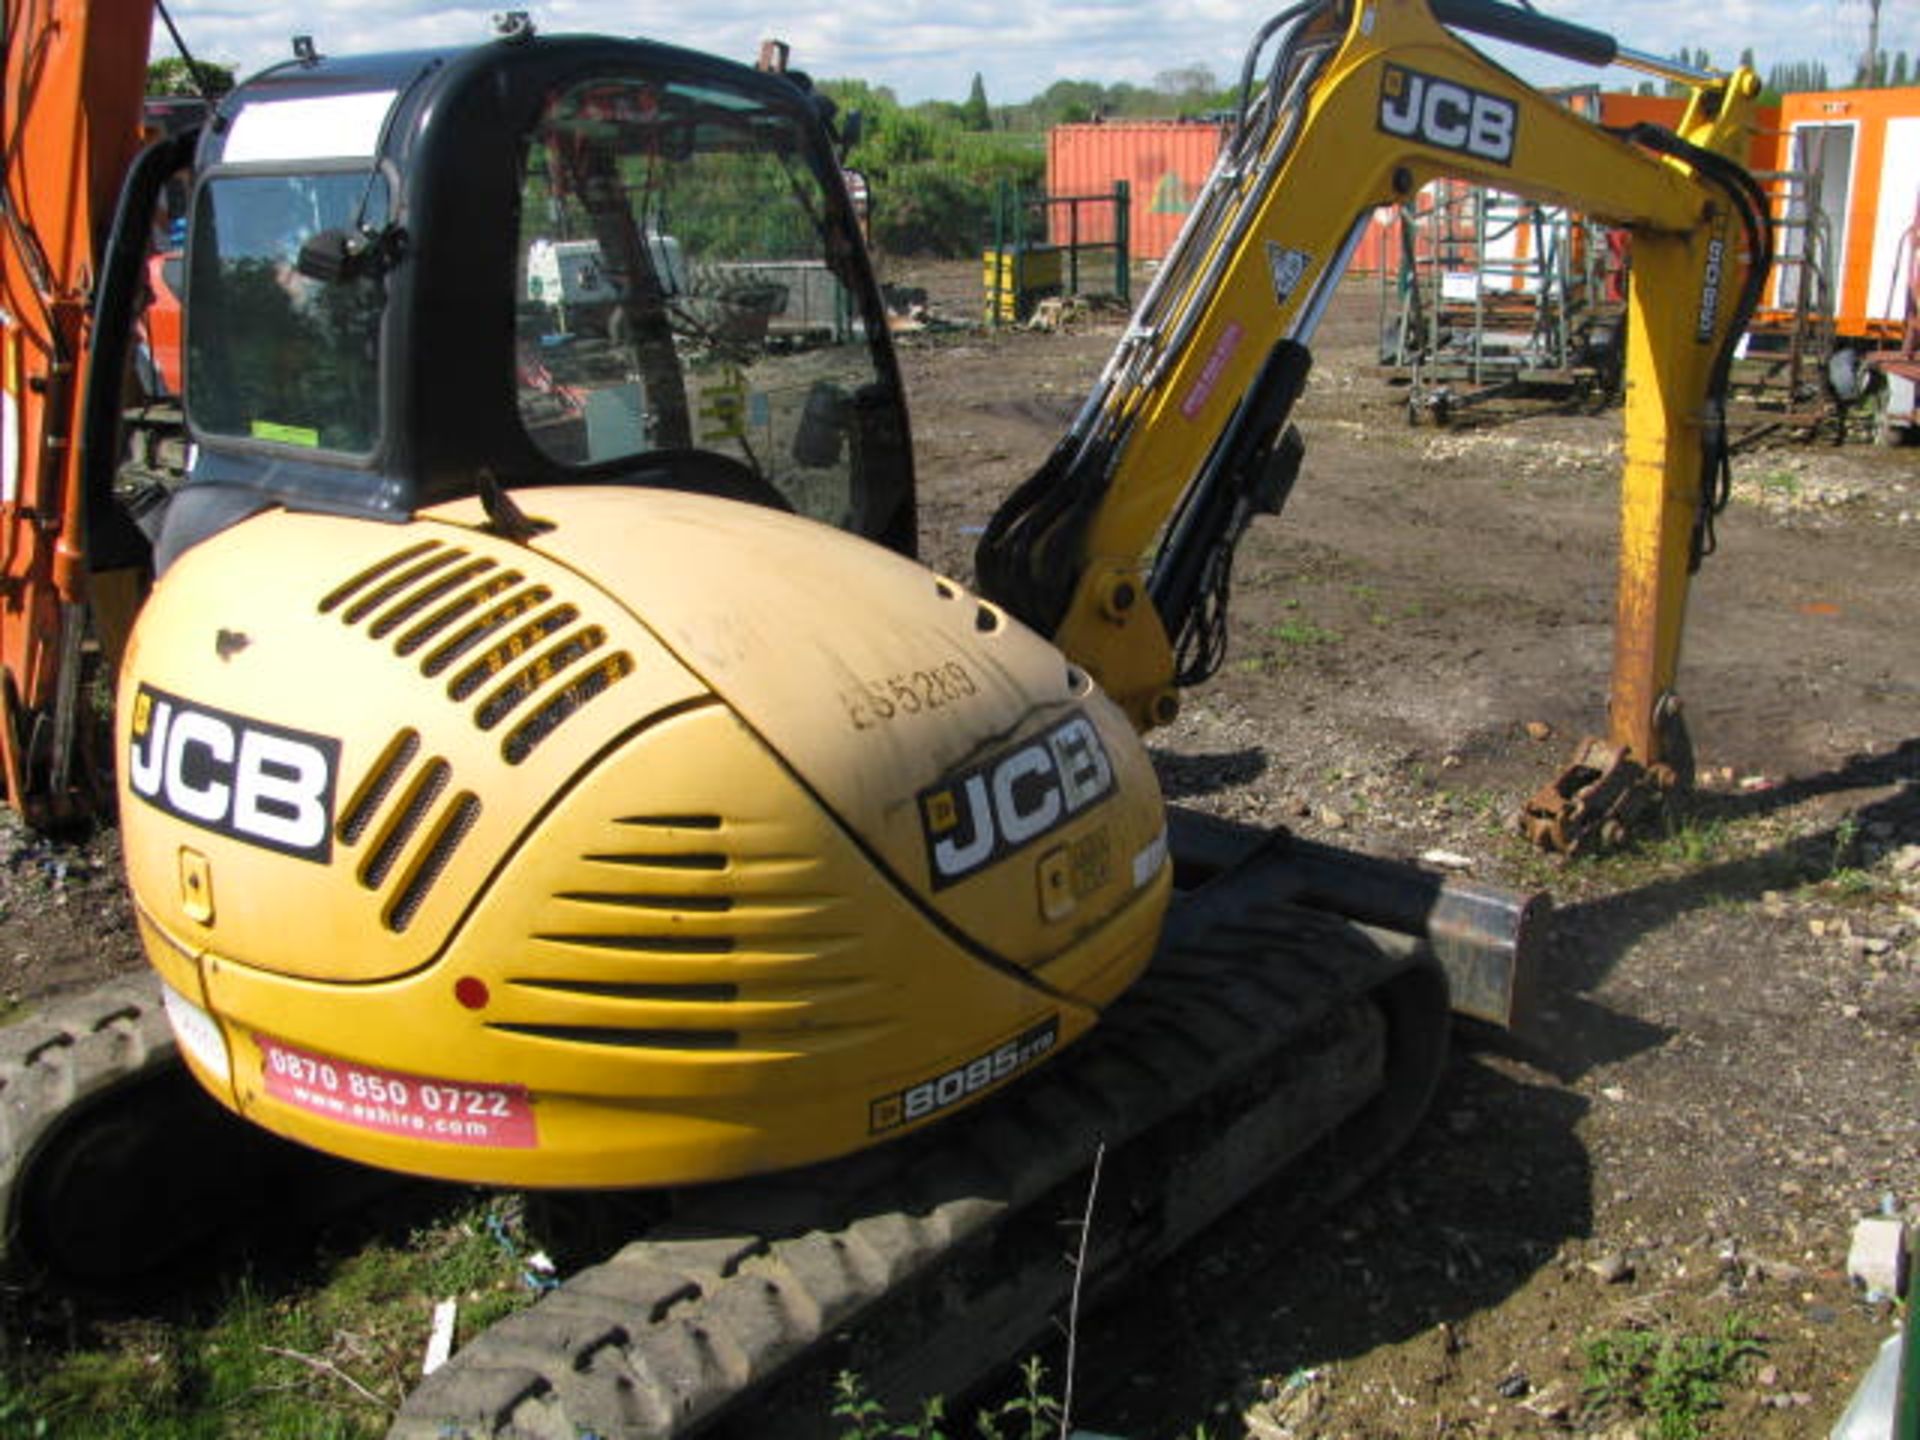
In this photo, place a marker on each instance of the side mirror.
(335, 255)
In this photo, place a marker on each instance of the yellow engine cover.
(686, 840)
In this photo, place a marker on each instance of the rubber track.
(687, 1326)
(57, 1063)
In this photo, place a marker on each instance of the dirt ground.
(1721, 1079)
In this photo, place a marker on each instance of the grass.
(1290, 638)
(326, 1361)
(1672, 1379)
(1031, 1413)
(1301, 634)
(1691, 840)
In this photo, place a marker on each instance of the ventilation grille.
(521, 660)
(412, 821)
(654, 902)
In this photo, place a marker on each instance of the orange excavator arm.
(75, 79)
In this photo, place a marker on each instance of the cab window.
(680, 290)
(274, 355)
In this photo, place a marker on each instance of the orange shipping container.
(1164, 162)
(1857, 153)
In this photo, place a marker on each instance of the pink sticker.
(1203, 388)
(452, 1112)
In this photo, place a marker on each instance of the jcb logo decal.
(1422, 107)
(264, 784)
(995, 808)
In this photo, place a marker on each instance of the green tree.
(975, 114)
(933, 179)
(173, 76)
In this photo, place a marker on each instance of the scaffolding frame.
(1496, 295)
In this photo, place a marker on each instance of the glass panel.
(272, 354)
(678, 290)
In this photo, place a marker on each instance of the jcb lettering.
(264, 784)
(986, 813)
(1440, 112)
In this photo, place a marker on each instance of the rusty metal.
(1590, 804)
(1606, 789)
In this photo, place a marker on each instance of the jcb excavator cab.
(502, 798)
(376, 317)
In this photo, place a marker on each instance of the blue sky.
(931, 49)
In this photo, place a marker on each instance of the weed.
(1846, 842)
(1674, 1380)
(866, 1418)
(1783, 483)
(1032, 1414)
(1301, 634)
(1691, 840)
(1851, 883)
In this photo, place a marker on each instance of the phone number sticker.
(498, 1117)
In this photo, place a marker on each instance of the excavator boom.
(1183, 439)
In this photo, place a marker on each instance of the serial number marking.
(875, 702)
(392, 1103)
(964, 1081)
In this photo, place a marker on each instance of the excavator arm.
(68, 137)
(1186, 435)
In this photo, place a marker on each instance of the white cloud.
(928, 49)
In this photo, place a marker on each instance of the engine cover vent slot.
(715, 993)
(490, 623)
(419, 808)
(373, 791)
(546, 670)
(522, 739)
(664, 861)
(401, 583)
(630, 944)
(624, 1038)
(420, 597)
(515, 646)
(456, 610)
(406, 819)
(634, 900)
(373, 573)
(455, 825)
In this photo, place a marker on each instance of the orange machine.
(73, 125)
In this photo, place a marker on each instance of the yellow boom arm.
(1364, 105)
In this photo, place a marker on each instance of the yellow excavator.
(541, 761)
